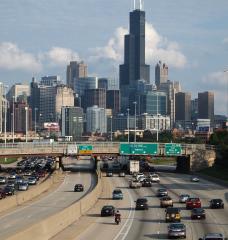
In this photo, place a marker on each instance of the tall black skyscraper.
(134, 67)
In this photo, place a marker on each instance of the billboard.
(51, 126)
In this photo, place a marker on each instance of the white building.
(17, 90)
(96, 120)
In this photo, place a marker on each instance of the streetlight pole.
(26, 124)
(135, 103)
(35, 120)
(226, 71)
(157, 117)
(5, 87)
(128, 125)
(13, 117)
(111, 128)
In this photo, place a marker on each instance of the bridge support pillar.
(61, 163)
(57, 163)
(183, 164)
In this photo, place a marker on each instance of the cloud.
(61, 56)
(157, 48)
(225, 40)
(216, 79)
(13, 58)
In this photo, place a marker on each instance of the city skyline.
(42, 41)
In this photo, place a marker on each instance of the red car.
(193, 203)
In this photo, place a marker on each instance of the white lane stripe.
(128, 222)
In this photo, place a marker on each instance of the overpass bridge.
(189, 156)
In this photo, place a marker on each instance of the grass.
(163, 161)
(217, 172)
(7, 160)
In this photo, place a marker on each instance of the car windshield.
(108, 207)
(217, 200)
(142, 200)
(198, 210)
(177, 226)
(193, 199)
(172, 210)
(117, 191)
(162, 190)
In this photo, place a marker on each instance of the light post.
(226, 72)
(5, 87)
(157, 117)
(13, 117)
(26, 124)
(135, 103)
(35, 120)
(128, 125)
(111, 128)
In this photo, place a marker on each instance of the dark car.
(198, 213)
(117, 194)
(107, 210)
(78, 188)
(193, 202)
(216, 203)
(2, 194)
(146, 183)
(162, 192)
(9, 190)
(176, 230)
(141, 204)
(172, 214)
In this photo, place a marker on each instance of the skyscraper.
(75, 70)
(183, 106)
(161, 73)
(206, 106)
(134, 67)
(94, 97)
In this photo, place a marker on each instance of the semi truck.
(133, 166)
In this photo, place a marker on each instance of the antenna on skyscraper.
(134, 5)
(140, 4)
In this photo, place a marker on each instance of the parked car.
(198, 213)
(216, 203)
(12, 176)
(176, 230)
(32, 180)
(78, 188)
(172, 214)
(117, 194)
(213, 236)
(162, 192)
(2, 180)
(23, 186)
(2, 194)
(166, 202)
(193, 202)
(183, 198)
(107, 210)
(9, 191)
(141, 204)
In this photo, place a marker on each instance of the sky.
(40, 37)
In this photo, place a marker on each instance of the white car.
(183, 198)
(213, 236)
(155, 178)
(139, 175)
(194, 179)
(23, 186)
(2, 180)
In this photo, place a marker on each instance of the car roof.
(108, 206)
(172, 209)
(213, 235)
(142, 200)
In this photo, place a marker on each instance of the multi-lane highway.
(151, 224)
(62, 197)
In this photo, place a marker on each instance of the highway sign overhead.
(139, 149)
(172, 149)
(85, 149)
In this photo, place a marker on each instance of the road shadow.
(151, 220)
(123, 187)
(108, 223)
(105, 198)
(226, 196)
(93, 215)
(126, 209)
(156, 236)
(154, 206)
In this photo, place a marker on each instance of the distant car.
(193, 203)
(78, 188)
(183, 198)
(32, 180)
(166, 202)
(117, 194)
(216, 203)
(107, 210)
(109, 174)
(19, 179)
(9, 191)
(155, 178)
(172, 214)
(141, 204)
(198, 213)
(12, 176)
(176, 230)
(11, 183)
(146, 183)
(23, 186)
(162, 192)
(135, 184)
(122, 174)
(194, 179)
(2, 180)
(2, 194)
(213, 236)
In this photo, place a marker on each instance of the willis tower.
(134, 67)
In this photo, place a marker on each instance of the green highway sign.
(139, 149)
(85, 149)
(172, 149)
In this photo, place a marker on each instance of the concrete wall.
(22, 197)
(50, 226)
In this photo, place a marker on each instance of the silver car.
(23, 186)
(176, 230)
(212, 236)
(2, 180)
(183, 198)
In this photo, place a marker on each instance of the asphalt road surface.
(62, 197)
(151, 224)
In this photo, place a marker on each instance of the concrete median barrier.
(21, 197)
(52, 225)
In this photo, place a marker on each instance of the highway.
(151, 224)
(31, 213)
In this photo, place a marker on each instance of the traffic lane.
(216, 219)
(54, 202)
(105, 227)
